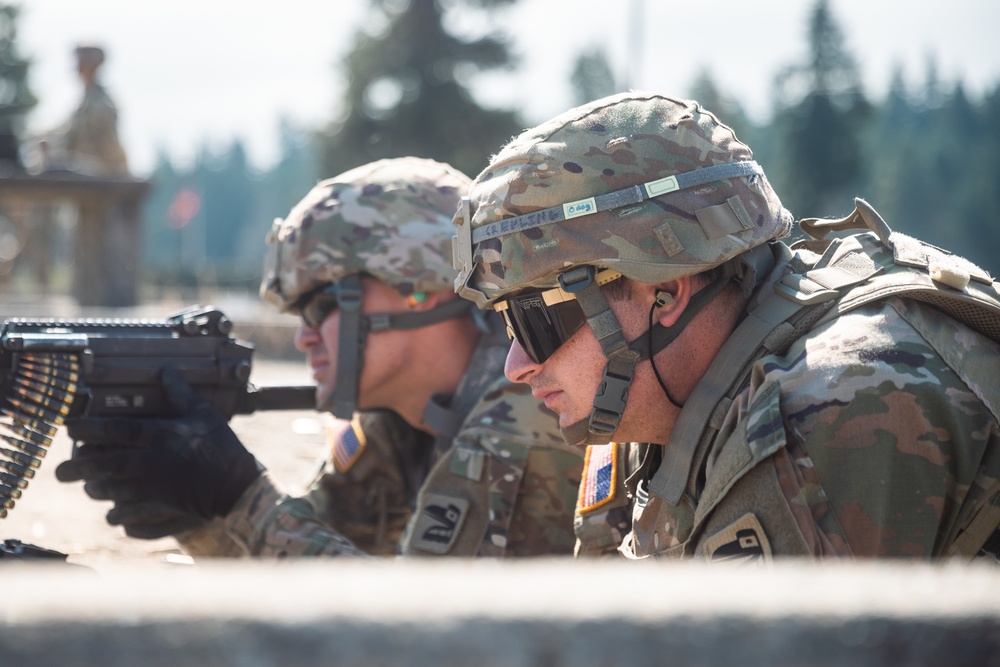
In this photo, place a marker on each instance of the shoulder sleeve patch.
(348, 445)
(600, 473)
(742, 542)
(439, 522)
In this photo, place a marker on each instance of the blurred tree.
(592, 77)
(205, 225)
(820, 120)
(16, 98)
(704, 89)
(408, 92)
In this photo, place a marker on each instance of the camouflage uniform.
(838, 419)
(91, 136)
(497, 481)
(603, 516)
(505, 487)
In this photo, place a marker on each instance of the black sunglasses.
(542, 321)
(317, 304)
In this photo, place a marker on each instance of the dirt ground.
(60, 516)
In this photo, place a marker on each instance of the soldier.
(88, 142)
(438, 442)
(832, 398)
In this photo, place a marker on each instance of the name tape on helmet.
(617, 199)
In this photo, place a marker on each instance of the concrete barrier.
(512, 614)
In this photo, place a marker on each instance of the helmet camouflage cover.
(390, 219)
(663, 221)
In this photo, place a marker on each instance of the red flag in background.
(186, 204)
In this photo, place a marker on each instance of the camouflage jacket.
(874, 434)
(504, 484)
(92, 136)
(603, 513)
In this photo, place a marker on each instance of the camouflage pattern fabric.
(614, 143)
(370, 499)
(603, 515)
(266, 522)
(390, 219)
(506, 487)
(874, 435)
(92, 143)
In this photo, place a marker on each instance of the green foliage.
(819, 122)
(928, 160)
(16, 98)
(934, 170)
(206, 225)
(407, 91)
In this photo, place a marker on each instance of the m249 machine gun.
(53, 370)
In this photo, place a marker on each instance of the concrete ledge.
(544, 613)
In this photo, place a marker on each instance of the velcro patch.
(743, 542)
(439, 523)
(600, 474)
(467, 462)
(348, 447)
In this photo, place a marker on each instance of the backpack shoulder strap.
(809, 290)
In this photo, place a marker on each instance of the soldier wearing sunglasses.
(434, 452)
(830, 398)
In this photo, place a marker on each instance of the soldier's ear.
(671, 299)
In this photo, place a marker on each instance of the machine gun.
(53, 370)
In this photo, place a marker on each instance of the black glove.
(164, 475)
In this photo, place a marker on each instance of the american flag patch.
(600, 471)
(349, 446)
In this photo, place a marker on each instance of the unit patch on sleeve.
(600, 477)
(742, 542)
(348, 446)
(439, 522)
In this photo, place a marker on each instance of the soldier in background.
(87, 143)
(441, 454)
(835, 398)
(91, 142)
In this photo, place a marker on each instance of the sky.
(186, 73)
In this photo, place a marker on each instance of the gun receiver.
(56, 370)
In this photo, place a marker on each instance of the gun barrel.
(278, 398)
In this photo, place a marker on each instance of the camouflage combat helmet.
(390, 220)
(639, 185)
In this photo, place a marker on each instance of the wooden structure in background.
(106, 248)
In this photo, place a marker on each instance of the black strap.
(446, 413)
(384, 321)
(350, 347)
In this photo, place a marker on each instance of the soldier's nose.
(305, 337)
(519, 367)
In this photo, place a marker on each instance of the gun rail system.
(55, 370)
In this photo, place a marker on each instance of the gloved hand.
(164, 475)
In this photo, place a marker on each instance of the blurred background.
(228, 113)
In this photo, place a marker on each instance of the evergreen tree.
(16, 98)
(728, 110)
(822, 161)
(407, 91)
(592, 77)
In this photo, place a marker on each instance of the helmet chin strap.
(612, 394)
(354, 330)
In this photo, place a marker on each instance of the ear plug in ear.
(664, 298)
(416, 298)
